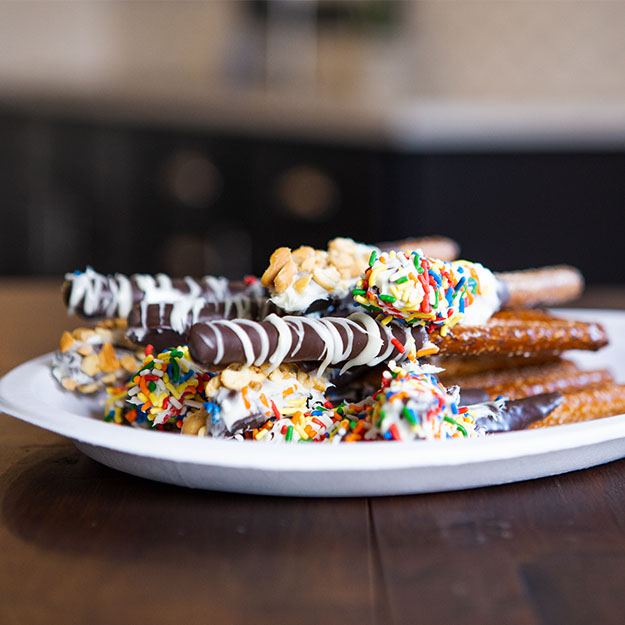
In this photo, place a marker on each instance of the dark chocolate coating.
(151, 324)
(203, 345)
(335, 307)
(159, 338)
(519, 413)
(159, 315)
(249, 422)
(470, 396)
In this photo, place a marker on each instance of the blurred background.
(195, 137)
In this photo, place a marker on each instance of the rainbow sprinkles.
(170, 393)
(418, 290)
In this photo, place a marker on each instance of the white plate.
(380, 468)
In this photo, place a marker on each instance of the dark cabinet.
(125, 197)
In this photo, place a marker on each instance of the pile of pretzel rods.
(356, 342)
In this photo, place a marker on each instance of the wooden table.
(81, 543)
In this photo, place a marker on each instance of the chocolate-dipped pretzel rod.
(545, 286)
(94, 295)
(357, 340)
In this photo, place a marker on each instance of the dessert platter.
(354, 370)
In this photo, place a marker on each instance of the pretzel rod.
(594, 403)
(434, 246)
(457, 367)
(461, 367)
(526, 314)
(519, 337)
(357, 340)
(93, 295)
(527, 381)
(545, 286)
(490, 377)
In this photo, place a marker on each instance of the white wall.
(497, 49)
(519, 48)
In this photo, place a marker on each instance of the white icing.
(164, 282)
(143, 309)
(329, 346)
(409, 344)
(86, 288)
(335, 354)
(112, 296)
(124, 296)
(179, 315)
(196, 310)
(284, 340)
(218, 287)
(194, 287)
(487, 303)
(228, 308)
(233, 406)
(324, 331)
(264, 340)
(389, 348)
(374, 341)
(290, 300)
(145, 283)
(219, 343)
(299, 330)
(248, 349)
(346, 323)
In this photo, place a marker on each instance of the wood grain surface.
(81, 543)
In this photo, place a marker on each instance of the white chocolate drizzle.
(374, 341)
(248, 348)
(187, 311)
(284, 340)
(112, 296)
(263, 338)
